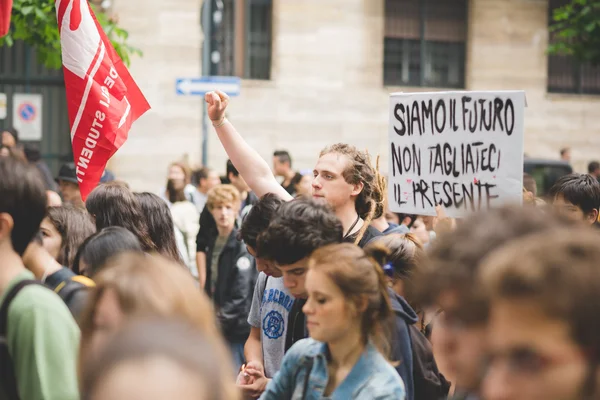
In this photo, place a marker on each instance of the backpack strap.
(8, 379)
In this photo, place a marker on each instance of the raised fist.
(217, 103)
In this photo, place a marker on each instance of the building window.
(243, 39)
(565, 73)
(425, 43)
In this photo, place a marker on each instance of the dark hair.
(14, 132)
(358, 274)
(406, 257)
(412, 217)
(23, 197)
(173, 339)
(299, 227)
(175, 194)
(160, 224)
(283, 156)
(296, 179)
(558, 271)
(258, 218)
(96, 250)
(74, 225)
(199, 174)
(32, 152)
(564, 150)
(231, 169)
(530, 184)
(581, 190)
(454, 258)
(113, 204)
(593, 167)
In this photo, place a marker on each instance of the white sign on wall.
(27, 115)
(3, 105)
(461, 150)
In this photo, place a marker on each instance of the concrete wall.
(326, 84)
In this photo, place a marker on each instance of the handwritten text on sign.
(463, 150)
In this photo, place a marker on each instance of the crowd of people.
(307, 287)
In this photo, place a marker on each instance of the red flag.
(5, 10)
(102, 98)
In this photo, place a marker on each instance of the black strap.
(351, 227)
(306, 378)
(8, 379)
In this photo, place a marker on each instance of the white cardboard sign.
(461, 150)
(27, 115)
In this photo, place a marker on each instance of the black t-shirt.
(370, 234)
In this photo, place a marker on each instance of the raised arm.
(247, 161)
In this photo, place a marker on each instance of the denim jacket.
(371, 378)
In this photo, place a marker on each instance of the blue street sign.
(200, 86)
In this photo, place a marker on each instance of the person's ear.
(6, 225)
(357, 188)
(592, 217)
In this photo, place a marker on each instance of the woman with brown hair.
(113, 204)
(346, 310)
(134, 285)
(63, 230)
(156, 359)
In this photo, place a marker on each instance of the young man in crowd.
(230, 273)
(297, 229)
(40, 339)
(449, 282)
(343, 176)
(271, 303)
(204, 179)
(67, 183)
(544, 335)
(594, 169)
(208, 227)
(282, 167)
(577, 197)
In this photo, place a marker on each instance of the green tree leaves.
(34, 22)
(575, 31)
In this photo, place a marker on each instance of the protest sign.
(461, 150)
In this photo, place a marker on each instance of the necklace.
(351, 227)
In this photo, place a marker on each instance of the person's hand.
(257, 381)
(217, 102)
(443, 224)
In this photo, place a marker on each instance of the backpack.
(429, 382)
(71, 290)
(8, 380)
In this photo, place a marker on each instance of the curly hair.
(361, 171)
(299, 227)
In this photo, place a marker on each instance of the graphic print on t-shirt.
(273, 324)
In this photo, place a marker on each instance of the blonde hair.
(360, 170)
(221, 194)
(152, 286)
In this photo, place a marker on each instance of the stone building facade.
(327, 80)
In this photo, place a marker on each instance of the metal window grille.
(565, 73)
(425, 43)
(243, 39)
